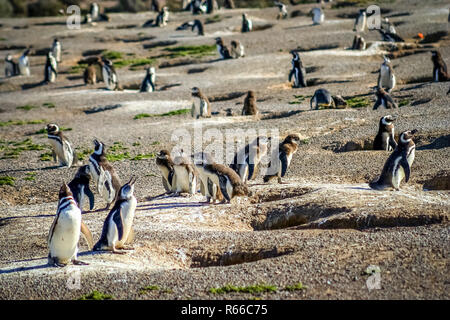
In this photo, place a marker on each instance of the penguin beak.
(132, 181)
(414, 131)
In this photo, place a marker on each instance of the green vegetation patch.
(30, 176)
(299, 99)
(112, 55)
(44, 131)
(79, 68)
(403, 102)
(7, 181)
(133, 63)
(295, 287)
(358, 102)
(259, 288)
(12, 149)
(96, 295)
(213, 19)
(46, 156)
(82, 154)
(167, 114)
(144, 156)
(196, 51)
(26, 107)
(20, 122)
(49, 105)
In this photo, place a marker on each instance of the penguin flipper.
(404, 163)
(290, 75)
(117, 218)
(87, 235)
(223, 187)
(392, 142)
(90, 195)
(251, 170)
(284, 163)
(377, 104)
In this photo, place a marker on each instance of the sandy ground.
(322, 228)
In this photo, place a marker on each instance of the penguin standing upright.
(318, 16)
(51, 68)
(247, 24)
(90, 74)
(24, 63)
(165, 164)
(80, 187)
(358, 43)
(104, 175)
(398, 165)
(222, 49)
(237, 49)
(360, 21)
(211, 6)
(56, 50)
(186, 176)
(65, 231)
(283, 13)
(384, 140)
(148, 85)
(163, 17)
(207, 187)
(229, 4)
(197, 7)
(157, 5)
(11, 67)
(93, 10)
(61, 147)
(109, 74)
(440, 72)
(204, 108)
(250, 108)
(246, 161)
(117, 228)
(384, 99)
(387, 26)
(298, 71)
(386, 77)
(283, 158)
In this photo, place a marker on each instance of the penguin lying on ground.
(195, 24)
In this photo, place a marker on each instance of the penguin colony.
(181, 174)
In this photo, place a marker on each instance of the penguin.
(193, 25)
(237, 49)
(65, 231)
(440, 72)
(250, 108)
(105, 177)
(387, 26)
(165, 165)
(117, 229)
(384, 99)
(90, 74)
(109, 74)
(247, 24)
(157, 5)
(358, 43)
(163, 17)
(283, 14)
(229, 182)
(51, 68)
(56, 50)
(94, 11)
(390, 37)
(386, 77)
(229, 4)
(222, 49)
(61, 146)
(298, 71)
(197, 7)
(318, 16)
(11, 67)
(79, 186)
(24, 64)
(322, 97)
(398, 165)
(204, 109)
(87, 19)
(211, 6)
(283, 157)
(148, 85)
(360, 21)
(186, 176)
(384, 140)
(207, 187)
(246, 161)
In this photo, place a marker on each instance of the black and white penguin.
(390, 37)
(237, 49)
(358, 43)
(360, 21)
(246, 161)
(204, 108)
(109, 74)
(282, 158)
(298, 71)
(94, 11)
(56, 50)
(247, 24)
(440, 72)
(387, 26)
(62, 150)
(398, 165)
(65, 231)
(222, 49)
(80, 187)
(386, 77)
(105, 177)
(211, 6)
(117, 229)
(283, 13)
(165, 164)
(157, 5)
(322, 97)
(195, 24)
(24, 63)
(163, 17)
(11, 67)
(384, 99)
(318, 16)
(186, 176)
(229, 4)
(384, 140)
(148, 85)
(197, 7)
(51, 68)
(207, 187)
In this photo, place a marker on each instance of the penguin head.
(83, 171)
(240, 190)
(251, 94)
(64, 191)
(195, 91)
(52, 128)
(387, 120)
(219, 40)
(386, 60)
(164, 155)
(126, 191)
(406, 136)
(99, 147)
(262, 141)
(8, 57)
(292, 138)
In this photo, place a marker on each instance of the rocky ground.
(322, 228)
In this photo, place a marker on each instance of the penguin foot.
(115, 251)
(127, 248)
(79, 263)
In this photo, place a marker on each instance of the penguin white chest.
(64, 241)
(128, 209)
(182, 179)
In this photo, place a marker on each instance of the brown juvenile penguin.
(440, 72)
(204, 109)
(90, 75)
(165, 165)
(250, 108)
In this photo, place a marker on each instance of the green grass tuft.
(26, 107)
(167, 114)
(196, 51)
(30, 176)
(20, 122)
(144, 156)
(7, 181)
(298, 99)
(403, 102)
(13, 149)
(84, 153)
(141, 115)
(133, 63)
(112, 55)
(96, 295)
(295, 287)
(357, 102)
(46, 156)
(49, 105)
(259, 288)
(79, 68)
